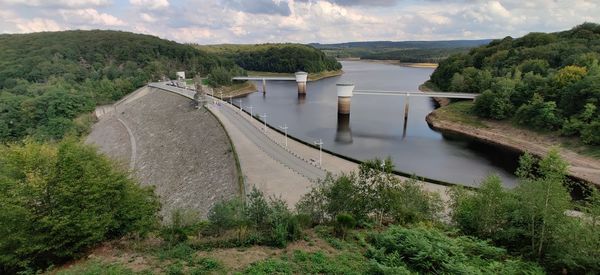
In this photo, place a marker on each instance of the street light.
(231, 100)
(264, 117)
(251, 108)
(284, 128)
(320, 143)
(240, 103)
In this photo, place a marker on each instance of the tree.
(543, 200)
(58, 200)
(539, 114)
(485, 213)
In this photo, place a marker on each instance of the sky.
(302, 21)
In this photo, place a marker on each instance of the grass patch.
(97, 268)
(301, 262)
(460, 112)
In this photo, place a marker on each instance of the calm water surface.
(375, 126)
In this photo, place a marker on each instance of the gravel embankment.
(183, 152)
(580, 167)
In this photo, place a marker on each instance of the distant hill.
(49, 78)
(280, 58)
(404, 51)
(442, 44)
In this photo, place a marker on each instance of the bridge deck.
(420, 94)
(282, 78)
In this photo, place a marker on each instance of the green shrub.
(427, 250)
(343, 223)
(58, 200)
(373, 194)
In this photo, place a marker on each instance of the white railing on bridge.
(280, 78)
(419, 94)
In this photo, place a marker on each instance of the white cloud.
(90, 17)
(147, 17)
(38, 25)
(59, 3)
(150, 4)
(244, 21)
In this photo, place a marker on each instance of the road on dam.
(271, 148)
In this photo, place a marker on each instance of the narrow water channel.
(375, 126)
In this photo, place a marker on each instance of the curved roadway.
(272, 149)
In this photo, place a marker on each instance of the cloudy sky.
(325, 21)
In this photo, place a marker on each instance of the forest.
(49, 80)
(544, 81)
(281, 58)
(404, 51)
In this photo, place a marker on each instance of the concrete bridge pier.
(344, 94)
(264, 82)
(301, 78)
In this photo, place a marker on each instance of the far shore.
(445, 119)
(393, 62)
(311, 76)
(236, 90)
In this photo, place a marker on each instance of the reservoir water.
(375, 127)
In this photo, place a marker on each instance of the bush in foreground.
(58, 200)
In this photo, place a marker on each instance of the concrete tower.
(344, 93)
(301, 78)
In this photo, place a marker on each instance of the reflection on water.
(301, 98)
(375, 127)
(343, 134)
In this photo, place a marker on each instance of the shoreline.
(311, 76)
(581, 167)
(394, 62)
(237, 90)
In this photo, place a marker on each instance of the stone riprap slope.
(183, 152)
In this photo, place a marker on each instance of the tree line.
(47, 80)
(546, 81)
(281, 58)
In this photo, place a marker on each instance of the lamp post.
(251, 108)
(320, 143)
(264, 117)
(284, 128)
(240, 103)
(231, 100)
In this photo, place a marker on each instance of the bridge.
(416, 94)
(264, 78)
(345, 91)
(300, 78)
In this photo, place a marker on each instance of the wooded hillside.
(546, 81)
(48, 79)
(280, 58)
